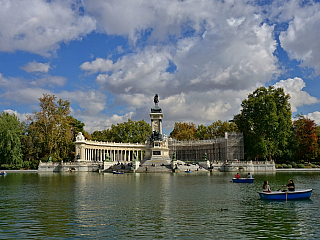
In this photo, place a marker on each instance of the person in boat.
(266, 187)
(249, 175)
(237, 175)
(290, 186)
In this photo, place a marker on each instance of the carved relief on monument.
(155, 126)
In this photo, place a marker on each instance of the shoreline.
(297, 169)
(277, 170)
(17, 171)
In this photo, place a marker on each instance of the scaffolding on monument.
(219, 149)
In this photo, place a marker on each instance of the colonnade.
(98, 154)
(87, 150)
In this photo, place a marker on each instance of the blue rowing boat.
(188, 171)
(3, 173)
(298, 194)
(242, 180)
(117, 172)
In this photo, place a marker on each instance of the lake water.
(154, 205)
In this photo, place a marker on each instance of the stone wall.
(69, 166)
(245, 166)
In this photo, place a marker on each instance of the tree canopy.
(50, 128)
(215, 130)
(184, 131)
(265, 121)
(127, 132)
(306, 138)
(11, 132)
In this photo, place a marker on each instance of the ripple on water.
(171, 206)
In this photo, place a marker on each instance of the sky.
(202, 57)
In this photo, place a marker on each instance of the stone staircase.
(164, 165)
(155, 165)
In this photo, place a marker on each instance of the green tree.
(184, 131)
(11, 132)
(215, 130)
(265, 121)
(202, 132)
(127, 132)
(50, 129)
(306, 137)
(102, 136)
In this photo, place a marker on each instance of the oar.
(280, 188)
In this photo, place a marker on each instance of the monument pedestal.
(157, 157)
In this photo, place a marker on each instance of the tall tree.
(11, 132)
(307, 139)
(184, 131)
(265, 121)
(50, 128)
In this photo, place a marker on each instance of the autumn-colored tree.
(306, 138)
(184, 131)
(50, 129)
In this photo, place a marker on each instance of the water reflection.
(172, 206)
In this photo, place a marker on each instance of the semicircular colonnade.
(87, 150)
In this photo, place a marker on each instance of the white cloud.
(221, 51)
(294, 87)
(102, 122)
(314, 116)
(22, 117)
(39, 26)
(36, 67)
(91, 102)
(98, 65)
(25, 95)
(300, 40)
(49, 81)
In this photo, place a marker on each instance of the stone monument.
(157, 149)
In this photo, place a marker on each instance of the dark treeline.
(265, 121)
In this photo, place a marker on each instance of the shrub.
(294, 165)
(278, 166)
(34, 164)
(26, 164)
(284, 165)
(300, 165)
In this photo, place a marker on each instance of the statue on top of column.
(156, 108)
(156, 99)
